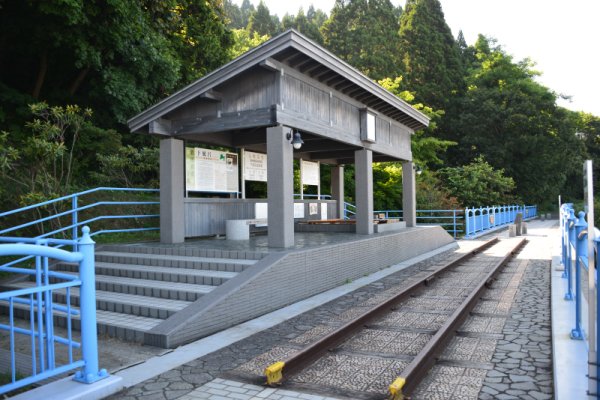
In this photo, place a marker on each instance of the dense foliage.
(84, 67)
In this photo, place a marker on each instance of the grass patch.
(127, 237)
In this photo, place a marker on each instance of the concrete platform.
(316, 263)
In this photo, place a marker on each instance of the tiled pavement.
(220, 389)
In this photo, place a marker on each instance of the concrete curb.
(68, 389)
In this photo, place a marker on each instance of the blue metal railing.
(575, 258)
(450, 220)
(40, 312)
(478, 220)
(469, 222)
(349, 210)
(61, 230)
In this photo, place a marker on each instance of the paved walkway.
(522, 360)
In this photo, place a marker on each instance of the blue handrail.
(41, 311)
(481, 219)
(471, 221)
(74, 211)
(575, 257)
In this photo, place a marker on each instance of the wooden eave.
(297, 51)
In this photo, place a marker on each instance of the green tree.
(199, 37)
(116, 57)
(303, 25)
(430, 56)
(478, 184)
(234, 15)
(316, 17)
(387, 186)
(246, 9)
(43, 165)
(426, 147)
(262, 22)
(129, 167)
(515, 123)
(365, 34)
(244, 41)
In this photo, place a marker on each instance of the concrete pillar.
(337, 188)
(409, 194)
(363, 175)
(172, 227)
(280, 187)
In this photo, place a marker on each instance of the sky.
(561, 37)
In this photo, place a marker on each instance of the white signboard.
(310, 173)
(313, 208)
(255, 166)
(323, 210)
(211, 170)
(298, 210)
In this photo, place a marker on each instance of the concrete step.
(189, 250)
(124, 326)
(171, 274)
(176, 261)
(148, 287)
(142, 306)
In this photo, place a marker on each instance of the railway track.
(417, 323)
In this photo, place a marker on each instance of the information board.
(211, 170)
(310, 173)
(255, 166)
(298, 210)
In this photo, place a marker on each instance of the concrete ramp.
(283, 278)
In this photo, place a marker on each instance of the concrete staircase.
(139, 286)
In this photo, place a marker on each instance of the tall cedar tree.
(262, 22)
(302, 24)
(365, 34)
(429, 54)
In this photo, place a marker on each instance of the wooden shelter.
(257, 102)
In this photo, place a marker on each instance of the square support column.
(172, 221)
(409, 194)
(280, 187)
(363, 175)
(337, 188)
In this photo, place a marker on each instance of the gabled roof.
(293, 49)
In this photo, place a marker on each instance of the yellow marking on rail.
(396, 389)
(273, 373)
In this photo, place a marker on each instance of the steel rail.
(274, 373)
(416, 370)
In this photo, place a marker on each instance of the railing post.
(74, 221)
(597, 254)
(580, 251)
(570, 226)
(454, 222)
(89, 339)
(467, 224)
(563, 230)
